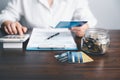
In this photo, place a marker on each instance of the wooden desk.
(41, 65)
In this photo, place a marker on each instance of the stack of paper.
(51, 39)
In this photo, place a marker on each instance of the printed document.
(51, 39)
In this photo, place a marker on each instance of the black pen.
(53, 35)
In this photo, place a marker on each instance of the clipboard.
(70, 24)
(39, 40)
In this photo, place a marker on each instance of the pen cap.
(95, 41)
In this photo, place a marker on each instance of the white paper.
(39, 39)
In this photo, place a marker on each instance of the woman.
(45, 13)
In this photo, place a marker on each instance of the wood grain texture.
(41, 65)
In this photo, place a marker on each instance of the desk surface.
(41, 65)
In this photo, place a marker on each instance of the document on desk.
(51, 39)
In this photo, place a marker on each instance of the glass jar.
(95, 41)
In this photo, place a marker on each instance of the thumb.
(24, 29)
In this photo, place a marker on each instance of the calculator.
(14, 38)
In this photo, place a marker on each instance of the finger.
(24, 29)
(80, 33)
(19, 28)
(9, 29)
(13, 27)
(6, 30)
(76, 28)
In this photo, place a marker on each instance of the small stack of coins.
(95, 41)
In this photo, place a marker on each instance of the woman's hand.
(80, 31)
(13, 28)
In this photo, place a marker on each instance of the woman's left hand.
(80, 31)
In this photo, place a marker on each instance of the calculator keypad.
(14, 38)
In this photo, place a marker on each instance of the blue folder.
(70, 24)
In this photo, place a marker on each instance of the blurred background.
(107, 12)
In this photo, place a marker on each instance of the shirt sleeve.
(83, 13)
(12, 11)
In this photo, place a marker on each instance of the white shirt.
(38, 13)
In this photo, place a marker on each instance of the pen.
(53, 35)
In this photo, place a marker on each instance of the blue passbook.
(70, 24)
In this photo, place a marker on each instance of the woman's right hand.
(13, 28)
